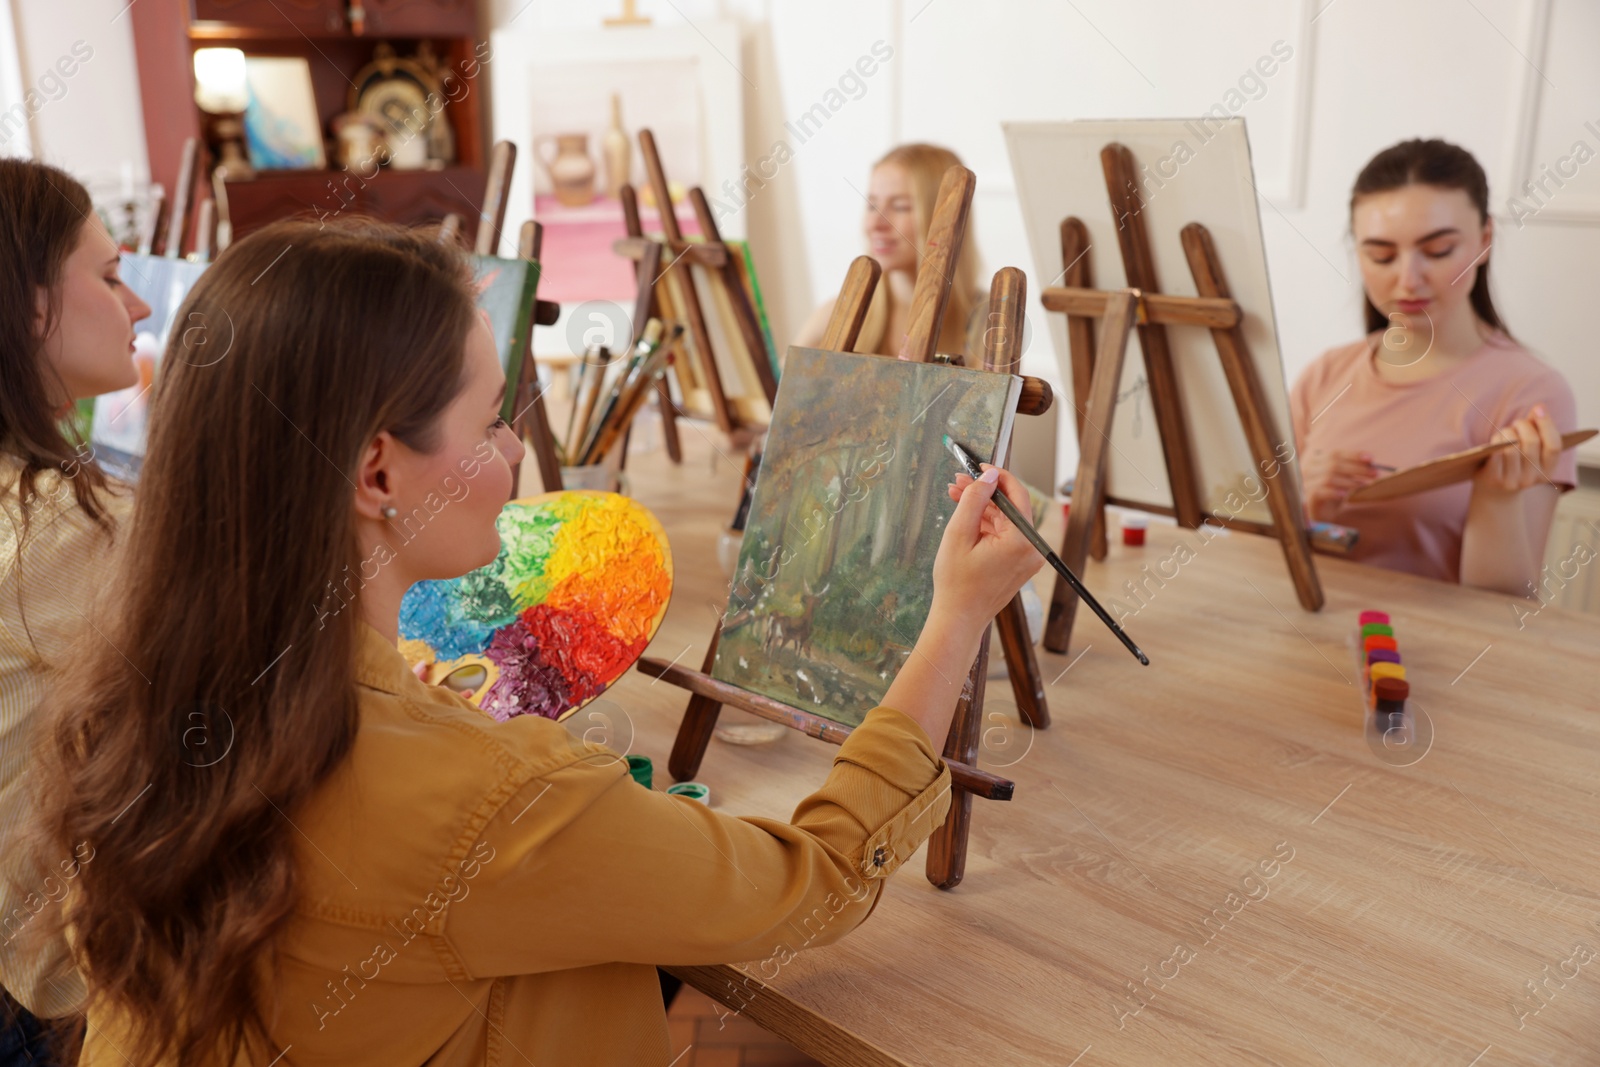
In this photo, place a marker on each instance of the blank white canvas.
(1058, 173)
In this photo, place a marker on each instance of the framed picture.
(281, 127)
(562, 96)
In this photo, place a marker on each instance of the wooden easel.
(530, 421)
(1097, 372)
(723, 271)
(647, 270)
(947, 848)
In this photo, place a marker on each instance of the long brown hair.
(42, 214)
(925, 166)
(1443, 166)
(222, 694)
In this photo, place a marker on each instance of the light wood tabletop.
(1207, 861)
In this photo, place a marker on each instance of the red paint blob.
(579, 646)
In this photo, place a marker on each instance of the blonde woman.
(900, 199)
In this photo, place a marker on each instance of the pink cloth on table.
(1340, 403)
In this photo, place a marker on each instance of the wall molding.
(1521, 166)
(11, 82)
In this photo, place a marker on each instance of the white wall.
(1364, 74)
(88, 122)
(1512, 80)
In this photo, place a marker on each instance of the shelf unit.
(166, 34)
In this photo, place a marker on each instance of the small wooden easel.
(1097, 372)
(723, 272)
(530, 421)
(947, 849)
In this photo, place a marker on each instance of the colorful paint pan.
(1377, 628)
(1379, 671)
(570, 603)
(1380, 655)
(1397, 689)
(1372, 616)
(1378, 641)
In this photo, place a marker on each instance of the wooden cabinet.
(288, 17)
(416, 18)
(167, 32)
(409, 197)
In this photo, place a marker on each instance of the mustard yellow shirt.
(48, 577)
(500, 893)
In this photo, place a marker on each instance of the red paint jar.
(1133, 529)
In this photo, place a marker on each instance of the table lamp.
(220, 91)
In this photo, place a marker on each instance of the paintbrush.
(631, 397)
(1009, 510)
(649, 341)
(590, 353)
(584, 397)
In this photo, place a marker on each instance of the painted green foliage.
(835, 575)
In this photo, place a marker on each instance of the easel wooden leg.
(947, 848)
(535, 424)
(1079, 274)
(669, 420)
(1089, 490)
(1002, 351)
(1138, 263)
(699, 719)
(1027, 684)
(1283, 496)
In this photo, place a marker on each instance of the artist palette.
(578, 590)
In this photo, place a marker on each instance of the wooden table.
(1436, 912)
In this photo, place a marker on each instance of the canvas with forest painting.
(835, 573)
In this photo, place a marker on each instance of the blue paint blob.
(430, 612)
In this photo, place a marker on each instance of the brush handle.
(1011, 511)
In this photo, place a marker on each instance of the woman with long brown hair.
(66, 333)
(1437, 372)
(302, 852)
(901, 194)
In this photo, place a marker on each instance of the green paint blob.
(527, 538)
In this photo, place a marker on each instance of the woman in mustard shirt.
(303, 854)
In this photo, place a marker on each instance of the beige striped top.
(48, 576)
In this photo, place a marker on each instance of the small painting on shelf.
(281, 127)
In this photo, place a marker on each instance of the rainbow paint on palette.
(570, 603)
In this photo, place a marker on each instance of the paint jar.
(1133, 528)
(728, 545)
(741, 728)
(601, 477)
(641, 770)
(692, 790)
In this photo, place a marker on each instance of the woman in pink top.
(1437, 372)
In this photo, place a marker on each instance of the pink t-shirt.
(1340, 403)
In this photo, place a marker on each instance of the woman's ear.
(1488, 237)
(374, 483)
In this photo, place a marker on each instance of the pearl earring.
(389, 511)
